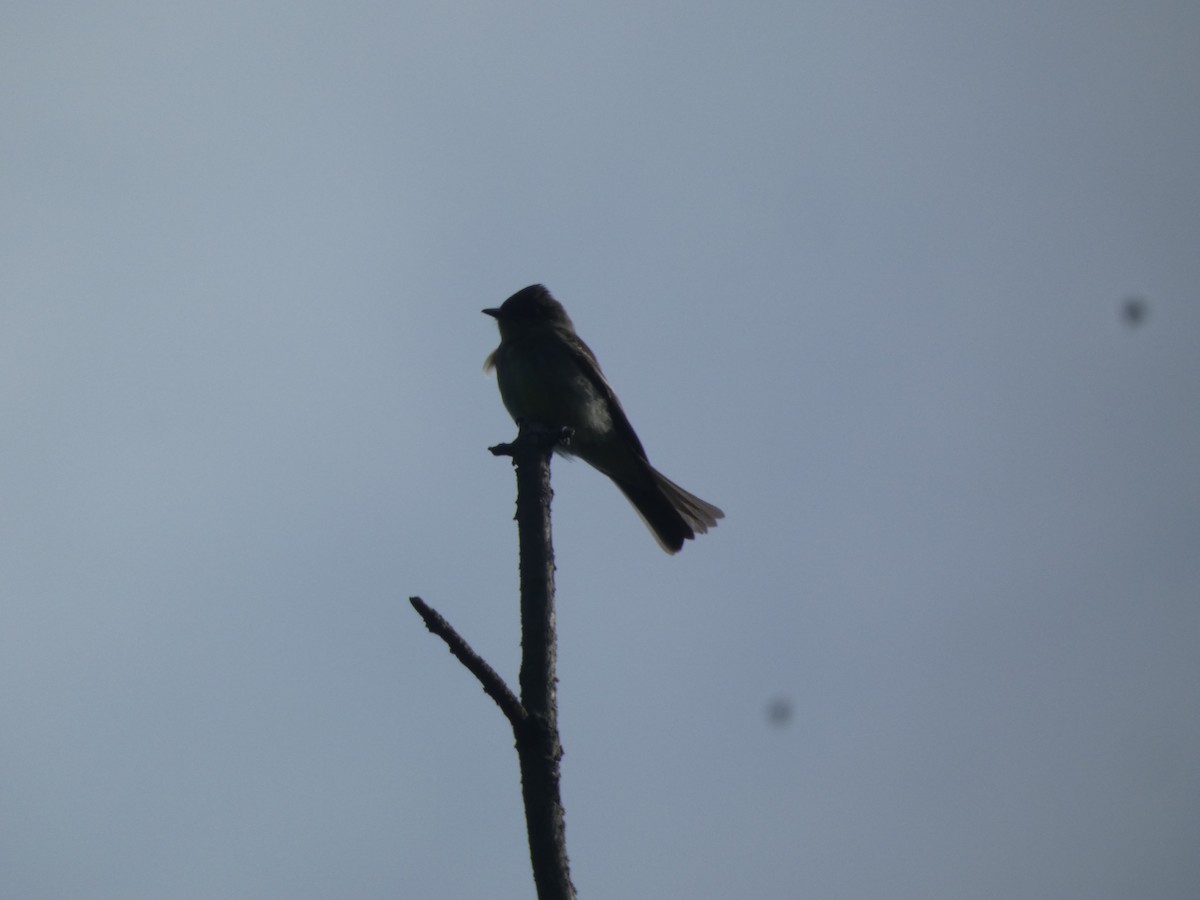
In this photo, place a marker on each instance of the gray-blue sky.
(855, 270)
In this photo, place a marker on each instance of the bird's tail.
(671, 513)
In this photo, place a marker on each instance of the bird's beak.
(494, 313)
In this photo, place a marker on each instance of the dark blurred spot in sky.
(1134, 311)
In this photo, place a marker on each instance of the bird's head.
(529, 309)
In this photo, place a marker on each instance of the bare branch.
(534, 717)
(538, 748)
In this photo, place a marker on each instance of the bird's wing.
(586, 361)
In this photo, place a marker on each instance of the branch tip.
(493, 684)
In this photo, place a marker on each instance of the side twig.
(493, 684)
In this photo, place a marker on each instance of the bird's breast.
(541, 383)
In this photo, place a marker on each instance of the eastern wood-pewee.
(548, 375)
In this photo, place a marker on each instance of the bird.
(549, 376)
